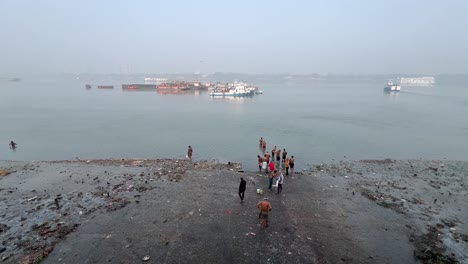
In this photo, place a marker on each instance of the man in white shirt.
(280, 180)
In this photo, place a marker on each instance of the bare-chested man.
(292, 160)
(285, 154)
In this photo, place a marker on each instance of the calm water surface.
(54, 118)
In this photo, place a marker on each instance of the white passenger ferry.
(392, 87)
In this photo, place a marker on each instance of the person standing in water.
(291, 164)
(264, 145)
(286, 166)
(273, 152)
(189, 152)
(260, 161)
(265, 163)
(267, 154)
(285, 154)
(12, 145)
(278, 156)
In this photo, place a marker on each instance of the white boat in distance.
(419, 81)
(236, 89)
(392, 87)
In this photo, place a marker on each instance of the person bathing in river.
(286, 166)
(265, 163)
(12, 145)
(260, 161)
(291, 164)
(285, 154)
(267, 154)
(189, 152)
(273, 152)
(278, 156)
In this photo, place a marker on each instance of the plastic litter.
(146, 258)
(32, 198)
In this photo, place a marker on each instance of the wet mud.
(178, 211)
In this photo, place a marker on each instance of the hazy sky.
(250, 36)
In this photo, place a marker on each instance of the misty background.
(341, 37)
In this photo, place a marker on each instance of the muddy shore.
(177, 211)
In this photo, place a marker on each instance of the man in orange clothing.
(265, 207)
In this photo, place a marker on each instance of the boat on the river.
(105, 86)
(255, 90)
(392, 87)
(237, 90)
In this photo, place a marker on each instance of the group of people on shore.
(267, 162)
(268, 165)
(274, 170)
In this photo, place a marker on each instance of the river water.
(55, 118)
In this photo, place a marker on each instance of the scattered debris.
(3, 228)
(32, 199)
(4, 172)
